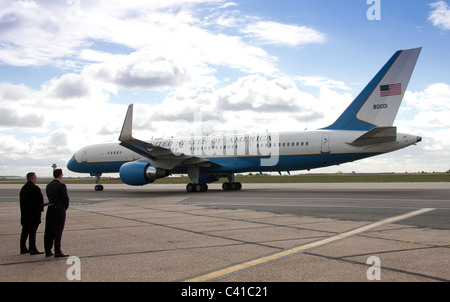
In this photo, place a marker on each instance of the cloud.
(11, 118)
(228, 4)
(141, 69)
(322, 82)
(164, 35)
(260, 94)
(69, 86)
(17, 156)
(434, 97)
(426, 114)
(438, 140)
(440, 15)
(34, 35)
(432, 119)
(38, 33)
(10, 92)
(252, 103)
(268, 32)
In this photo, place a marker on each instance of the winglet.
(127, 128)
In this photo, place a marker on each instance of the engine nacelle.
(140, 173)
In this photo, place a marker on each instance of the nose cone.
(419, 139)
(72, 165)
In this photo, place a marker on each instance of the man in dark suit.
(31, 206)
(56, 214)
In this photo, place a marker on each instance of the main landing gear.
(196, 187)
(231, 185)
(226, 186)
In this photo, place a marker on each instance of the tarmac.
(164, 234)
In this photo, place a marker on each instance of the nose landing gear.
(98, 186)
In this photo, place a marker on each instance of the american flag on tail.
(390, 89)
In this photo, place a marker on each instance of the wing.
(158, 156)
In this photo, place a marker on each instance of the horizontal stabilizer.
(376, 136)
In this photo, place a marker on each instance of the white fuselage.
(271, 150)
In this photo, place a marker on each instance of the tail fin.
(378, 103)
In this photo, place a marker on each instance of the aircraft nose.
(419, 138)
(72, 164)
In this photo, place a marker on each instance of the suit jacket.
(31, 204)
(57, 194)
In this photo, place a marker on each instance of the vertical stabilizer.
(378, 103)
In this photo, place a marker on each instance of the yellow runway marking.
(302, 248)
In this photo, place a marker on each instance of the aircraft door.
(325, 145)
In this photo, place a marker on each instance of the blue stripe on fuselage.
(97, 167)
(285, 163)
(236, 164)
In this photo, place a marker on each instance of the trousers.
(54, 226)
(28, 232)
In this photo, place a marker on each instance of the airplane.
(363, 130)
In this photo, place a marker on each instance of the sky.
(69, 69)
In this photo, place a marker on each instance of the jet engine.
(140, 173)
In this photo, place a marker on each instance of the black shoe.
(24, 251)
(60, 255)
(36, 252)
(49, 254)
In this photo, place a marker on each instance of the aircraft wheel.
(98, 188)
(196, 187)
(235, 186)
(238, 186)
(226, 186)
(201, 187)
(190, 187)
